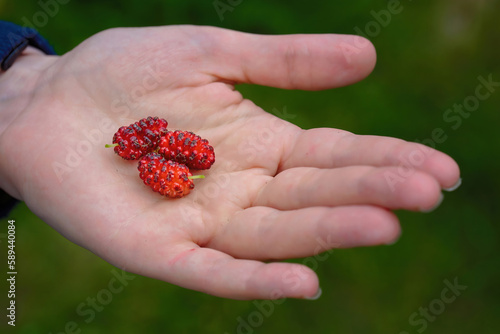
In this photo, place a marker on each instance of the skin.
(275, 191)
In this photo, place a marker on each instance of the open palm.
(275, 191)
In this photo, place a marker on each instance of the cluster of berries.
(165, 157)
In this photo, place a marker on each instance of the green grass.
(429, 58)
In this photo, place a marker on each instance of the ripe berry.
(133, 141)
(166, 177)
(187, 148)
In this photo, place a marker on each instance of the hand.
(275, 191)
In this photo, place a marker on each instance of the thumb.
(307, 62)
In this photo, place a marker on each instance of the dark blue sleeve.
(14, 39)
(7, 203)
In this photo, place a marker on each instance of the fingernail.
(390, 243)
(316, 296)
(456, 186)
(435, 206)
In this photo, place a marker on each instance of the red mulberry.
(166, 177)
(134, 141)
(187, 148)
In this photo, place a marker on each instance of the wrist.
(18, 87)
(22, 63)
(22, 48)
(19, 83)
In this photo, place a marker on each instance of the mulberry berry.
(187, 148)
(166, 177)
(134, 141)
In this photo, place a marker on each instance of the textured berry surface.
(137, 139)
(187, 148)
(166, 177)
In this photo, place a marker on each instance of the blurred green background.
(430, 55)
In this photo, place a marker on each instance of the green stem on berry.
(196, 177)
(110, 145)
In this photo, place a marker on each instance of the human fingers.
(303, 187)
(219, 274)
(267, 233)
(308, 62)
(330, 148)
